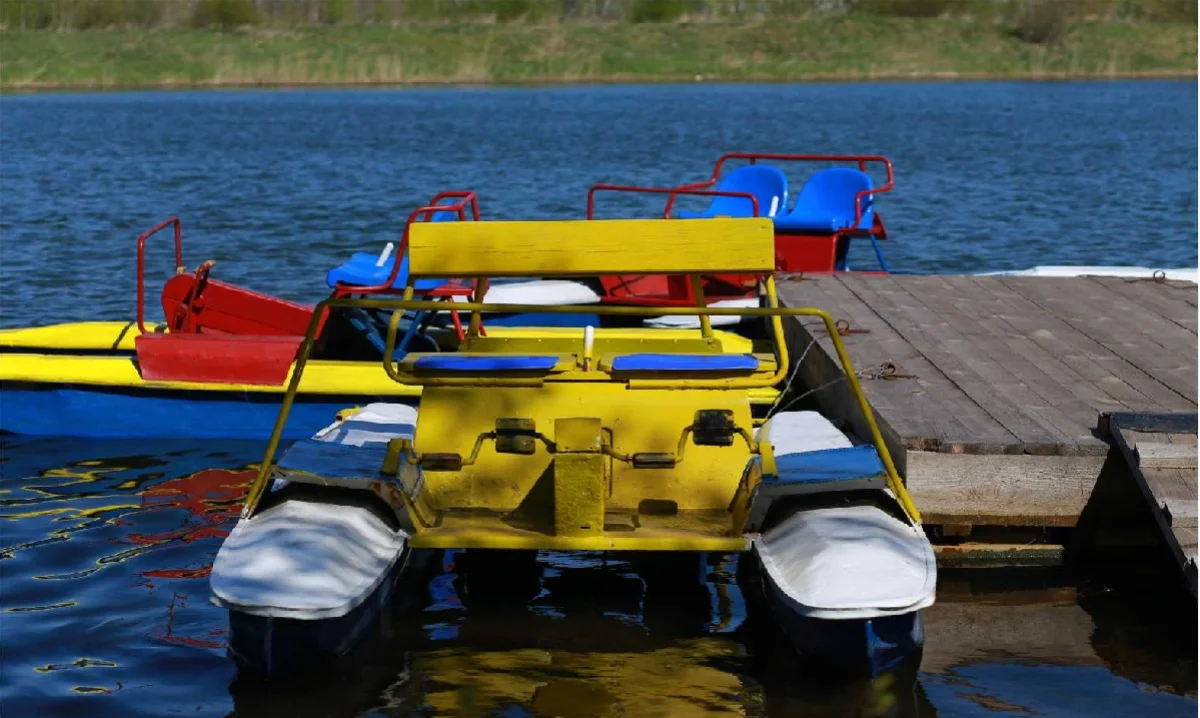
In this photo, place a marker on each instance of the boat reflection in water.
(101, 543)
(586, 634)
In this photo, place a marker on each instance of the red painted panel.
(618, 287)
(216, 358)
(805, 253)
(228, 309)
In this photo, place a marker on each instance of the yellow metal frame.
(773, 311)
(584, 462)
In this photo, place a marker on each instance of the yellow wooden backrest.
(561, 248)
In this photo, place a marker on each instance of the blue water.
(280, 186)
(105, 546)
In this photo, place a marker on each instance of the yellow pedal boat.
(580, 442)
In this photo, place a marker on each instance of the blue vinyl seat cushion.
(361, 270)
(826, 203)
(768, 184)
(828, 465)
(486, 363)
(685, 362)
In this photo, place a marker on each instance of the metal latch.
(516, 436)
(713, 427)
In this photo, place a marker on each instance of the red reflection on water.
(214, 496)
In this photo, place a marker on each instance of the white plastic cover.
(853, 561)
(314, 560)
(795, 432)
(541, 292)
(849, 562)
(693, 322)
(304, 559)
(373, 424)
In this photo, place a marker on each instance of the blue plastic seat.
(492, 362)
(361, 269)
(685, 362)
(766, 183)
(826, 203)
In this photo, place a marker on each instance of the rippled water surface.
(104, 610)
(105, 546)
(280, 186)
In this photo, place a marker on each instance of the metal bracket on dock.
(885, 371)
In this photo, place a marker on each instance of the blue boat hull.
(101, 412)
(868, 646)
(269, 647)
(841, 647)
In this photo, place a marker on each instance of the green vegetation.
(178, 43)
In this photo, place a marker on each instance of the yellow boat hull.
(82, 379)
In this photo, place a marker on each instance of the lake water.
(278, 187)
(105, 547)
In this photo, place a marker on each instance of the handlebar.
(141, 263)
(672, 192)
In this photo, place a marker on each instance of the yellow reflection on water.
(676, 680)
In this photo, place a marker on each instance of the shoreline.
(35, 88)
(818, 50)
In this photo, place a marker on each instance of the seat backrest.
(587, 248)
(766, 183)
(831, 192)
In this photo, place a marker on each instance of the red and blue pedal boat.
(220, 361)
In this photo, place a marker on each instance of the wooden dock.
(1161, 452)
(988, 388)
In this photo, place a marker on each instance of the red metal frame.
(467, 197)
(666, 290)
(141, 263)
(454, 288)
(673, 192)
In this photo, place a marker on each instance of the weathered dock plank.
(1165, 471)
(990, 411)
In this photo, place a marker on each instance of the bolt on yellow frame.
(773, 311)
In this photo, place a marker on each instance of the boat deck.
(988, 388)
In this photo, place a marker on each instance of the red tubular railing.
(673, 192)
(861, 160)
(141, 263)
(465, 198)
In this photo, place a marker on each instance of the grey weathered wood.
(1087, 307)
(927, 410)
(925, 416)
(1053, 404)
(1088, 357)
(1006, 370)
(1165, 301)
(1154, 455)
(980, 379)
(1044, 348)
(1171, 492)
(1001, 490)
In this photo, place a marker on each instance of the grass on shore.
(820, 48)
